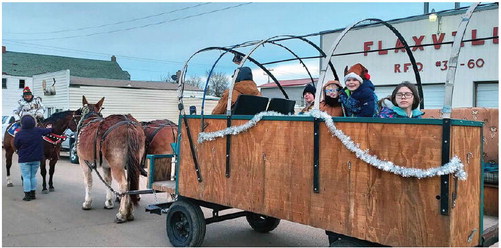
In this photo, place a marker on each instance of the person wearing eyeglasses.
(405, 100)
(330, 103)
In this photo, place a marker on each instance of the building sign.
(382, 53)
(436, 44)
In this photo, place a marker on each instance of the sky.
(153, 40)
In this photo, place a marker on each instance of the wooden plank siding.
(143, 104)
(13, 93)
(272, 174)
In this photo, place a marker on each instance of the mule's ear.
(84, 101)
(100, 104)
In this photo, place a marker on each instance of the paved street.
(56, 219)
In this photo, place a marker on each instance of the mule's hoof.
(87, 206)
(130, 217)
(119, 220)
(10, 185)
(109, 205)
(45, 191)
(51, 189)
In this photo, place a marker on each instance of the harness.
(127, 121)
(151, 136)
(54, 139)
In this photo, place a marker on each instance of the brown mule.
(116, 144)
(159, 135)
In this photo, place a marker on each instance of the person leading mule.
(29, 145)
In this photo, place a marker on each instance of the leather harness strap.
(151, 136)
(127, 121)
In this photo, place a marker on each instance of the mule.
(60, 122)
(159, 135)
(116, 145)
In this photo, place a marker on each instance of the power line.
(96, 53)
(115, 23)
(138, 27)
(106, 54)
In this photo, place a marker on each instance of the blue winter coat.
(361, 102)
(29, 142)
(397, 112)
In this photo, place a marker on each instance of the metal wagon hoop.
(321, 79)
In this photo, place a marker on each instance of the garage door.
(433, 94)
(487, 95)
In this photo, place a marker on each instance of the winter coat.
(28, 141)
(397, 112)
(247, 87)
(362, 102)
(307, 108)
(33, 107)
(334, 109)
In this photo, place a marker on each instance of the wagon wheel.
(185, 224)
(262, 223)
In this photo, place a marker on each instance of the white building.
(12, 91)
(143, 100)
(62, 81)
(477, 78)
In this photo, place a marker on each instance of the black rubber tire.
(262, 223)
(185, 224)
(73, 154)
(346, 243)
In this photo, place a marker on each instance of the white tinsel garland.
(234, 130)
(454, 165)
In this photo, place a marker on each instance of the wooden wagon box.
(490, 118)
(272, 173)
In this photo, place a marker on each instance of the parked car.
(69, 145)
(6, 121)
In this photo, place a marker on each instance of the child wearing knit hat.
(358, 97)
(309, 98)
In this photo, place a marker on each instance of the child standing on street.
(29, 145)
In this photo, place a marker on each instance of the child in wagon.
(309, 98)
(331, 104)
(405, 100)
(358, 97)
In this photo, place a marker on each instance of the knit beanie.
(358, 72)
(245, 73)
(27, 91)
(309, 88)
